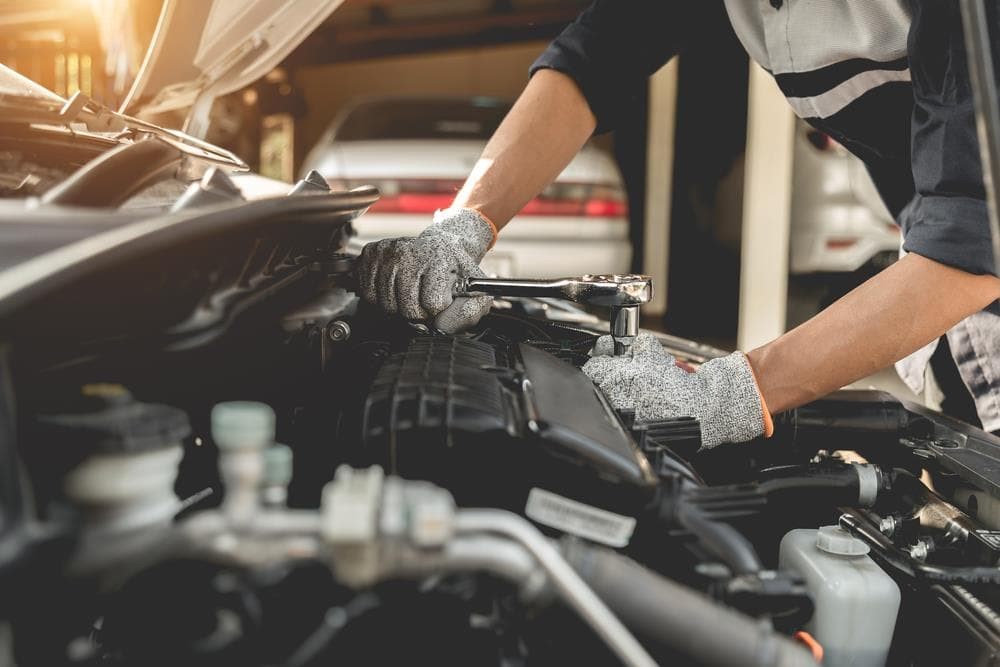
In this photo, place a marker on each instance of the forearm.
(543, 131)
(885, 319)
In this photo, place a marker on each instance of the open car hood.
(201, 50)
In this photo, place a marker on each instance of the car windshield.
(422, 119)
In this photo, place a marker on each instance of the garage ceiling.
(376, 28)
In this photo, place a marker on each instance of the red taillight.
(821, 140)
(841, 243)
(412, 203)
(605, 208)
(413, 195)
(540, 206)
(582, 200)
(580, 208)
(558, 200)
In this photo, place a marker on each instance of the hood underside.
(215, 47)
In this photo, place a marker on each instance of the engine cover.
(491, 422)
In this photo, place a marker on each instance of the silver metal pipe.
(979, 59)
(269, 537)
(563, 577)
(499, 556)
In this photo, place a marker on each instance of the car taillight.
(558, 200)
(605, 208)
(412, 203)
(580, 200)
(822, 141)
(413, 195)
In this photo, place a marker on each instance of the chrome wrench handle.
(623, 294)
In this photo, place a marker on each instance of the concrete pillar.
(767, 190)
(659, 182)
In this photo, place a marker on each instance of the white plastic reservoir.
(856, 601)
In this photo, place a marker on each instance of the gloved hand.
(722, 394)
(415, 276)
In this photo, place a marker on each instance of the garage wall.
(495, 71)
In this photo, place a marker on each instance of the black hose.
(789, 487)
(665, 614)
(703, 511)
(721, 540)
(114, 177)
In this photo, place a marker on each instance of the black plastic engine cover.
(491, 422)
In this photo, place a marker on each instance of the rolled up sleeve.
(947, 220)
(615, 45)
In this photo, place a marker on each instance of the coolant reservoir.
(856, 601)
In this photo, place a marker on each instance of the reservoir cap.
(837, 541)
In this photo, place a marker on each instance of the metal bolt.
(339, 331)
(921, 549)
(887, 526)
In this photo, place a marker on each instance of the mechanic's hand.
(722, 394)
(415, 276)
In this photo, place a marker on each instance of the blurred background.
(404, 94)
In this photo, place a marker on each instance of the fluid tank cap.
(242, 425)
(277, 465)
(837, 541)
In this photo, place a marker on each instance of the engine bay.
(229, 459)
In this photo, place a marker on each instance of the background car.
(841, 232)
(839, 222)
(418, 152)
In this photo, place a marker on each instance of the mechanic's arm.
(551, 114)
(893, 314)
(901, 309)
(596, 67)
(414, 277)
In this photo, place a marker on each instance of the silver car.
(418, 151)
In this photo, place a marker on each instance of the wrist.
(472, 228)
(765, 412)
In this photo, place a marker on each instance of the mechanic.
(885, 78)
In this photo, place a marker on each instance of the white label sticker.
(575, 518)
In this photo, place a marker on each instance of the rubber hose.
(722, 540)
(666, 614)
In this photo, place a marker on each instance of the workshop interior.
(213, 451)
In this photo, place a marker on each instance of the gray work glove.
(722, 394)
(415, 276)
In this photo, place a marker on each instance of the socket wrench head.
(623, 294)
(612, 290)
(624, 327)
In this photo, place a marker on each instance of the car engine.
(213, 453)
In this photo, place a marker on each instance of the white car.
(839, 223)
(418, 151)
